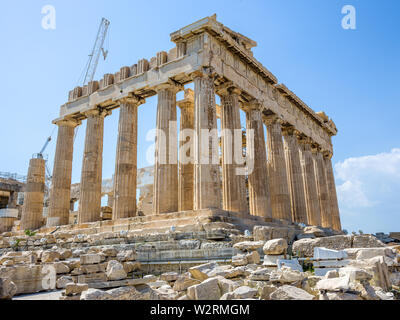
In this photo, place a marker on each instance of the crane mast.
(97, 49)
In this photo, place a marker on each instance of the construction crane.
(91, 66)
(97, 49)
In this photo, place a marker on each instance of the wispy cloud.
(368, 191)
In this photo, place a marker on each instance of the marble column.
(124, 205)
(207, 190)
(279, 189)
(60, 192)
(91, 177)
(295, 176)
(335, 214)
(259, 194)
(165, 189)
(310, 185)
(32, 210)
(186, 153)
(322, 187)
(233, 182)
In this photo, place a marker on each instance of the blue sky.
(353, 75)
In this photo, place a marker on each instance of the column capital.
(67, 122)
(132, 99)
(288, 131)
(253, 104)
(207, 72)
(272, 119)
(171, 85)
(327, 154)
(187, 101)
(315, 148)
(227, 88)
(97, 112)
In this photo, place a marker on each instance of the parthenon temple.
(291, 178)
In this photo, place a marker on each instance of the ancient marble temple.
(291, 177)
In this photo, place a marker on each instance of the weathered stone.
(354, 274)
(332, 274)
(266, 291)
(7, 289)
(169, 276)
(338, 296)
(287, 292)
(239, 260)
(63, 281)
(326, 254)
(292, 264)
(305, 247)
(245, 292)
(248, 245)
(184, 281)
(200, 272)
(115, 270)
(50, 256)
(95, 294)
(272, 260)
(207, 290)
(334, 284)
(286, 275)
(366, 241)
(90, 259)
(260, 274)
(275, 247)
(124, 293)
(126, 255)
(317, 232)
(130, 266)
(253, 257)
(75, 288)
(226, 285)
(61, 268)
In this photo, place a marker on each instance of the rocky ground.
(313, 267)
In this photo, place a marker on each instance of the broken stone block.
(50, 256)
(8, 289)
(334, 284)
(315, 231)
(207, 290)
(61, 268)
(184, 281)
(130, 266)
(90, 258)
(226, 285)
(275, 247)
(239, 260)
(292, 264)
(287, 292)
(169, 276)
(126, 255)
(338, 296)
(200, 272)
(95, 294)
(366, 241)
(125, 293)
(286, 275)
(248, 245)
(329, 254)
(252, 257)
(115, 270)
(272, 260)
(355, 274)
(75, 288)
(332, 274)
(266, 291)
(260, 274)
(245, 292)
(63, 281)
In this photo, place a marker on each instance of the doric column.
(259, 194)
(90, 187)
(165, 194)
(32, 211)
(124, 205)
(295, 176)
(60, 192)
(280, 198)
(207, 190)
(233, 183)
(186, 152)
(322, 187)
(335, 214)
(310, 185)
